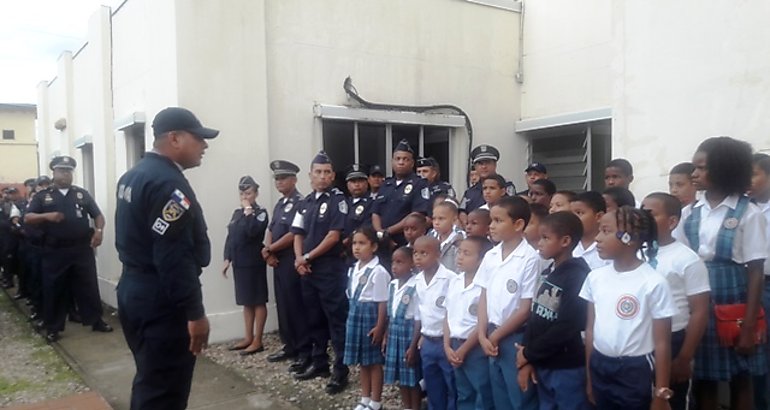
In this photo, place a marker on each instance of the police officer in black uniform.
(359, 203)
(484, 158)
(376, 178)
(279, 254)
(162, 242)
(428, 169)
(62, 212)
(33, 252)
(399, 196)
(318, 227)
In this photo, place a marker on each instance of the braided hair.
(638, 225)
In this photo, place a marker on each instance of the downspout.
(520, 73)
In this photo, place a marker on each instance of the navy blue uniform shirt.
(76, 206)
(283, 215)
(474, 197)
(359, 213)
(245, 237)
(160, 231)
(318, 214)
(395, 201)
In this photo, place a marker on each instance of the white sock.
(363, 403)
(375, 405)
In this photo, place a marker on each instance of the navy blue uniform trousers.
(156, 333)
(69, 272)
(327, 314)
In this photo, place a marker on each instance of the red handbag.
(729, 321)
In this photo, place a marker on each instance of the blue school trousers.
(562, 389)
(438, 374)
(621, 383)
(503, 376)
(474, 392)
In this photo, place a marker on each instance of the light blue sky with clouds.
(33, 33)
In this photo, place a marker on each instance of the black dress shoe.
(337, 384)
(280, 356)
(260, 349)
(312, 372)
(101, 326)
(19, 296)
(299, 366)
(52, 337)
(75, 318)
(34, 316)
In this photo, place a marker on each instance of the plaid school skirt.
(358, 345)
(399, 338)
(712, 361)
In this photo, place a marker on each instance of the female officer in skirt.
(243, 249)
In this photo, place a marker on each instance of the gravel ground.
(274, 379)
(31, 370)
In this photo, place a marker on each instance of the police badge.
(407, 189)
(322, 209)
(359, 210)
(288, 207)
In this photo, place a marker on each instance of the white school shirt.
(376, 287)
(462, 307)
(431, 301)
(451, 238)
(626, 303)
(686, 275)
(750, 237)
(508, 281)
(398, 295)
(590, 255)
(485, 206)
(765, 209)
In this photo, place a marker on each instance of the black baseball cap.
(180, 119)
(376, 170)
(536, 166)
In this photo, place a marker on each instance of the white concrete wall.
(400, 52)
(567, 57)
(684, 71)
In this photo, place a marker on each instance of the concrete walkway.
(105, 363)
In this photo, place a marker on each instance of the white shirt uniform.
(590, 255)
(431, 301)
(462, 307)
(765, 209)
(626, 303)
(686, 275)
(398, 295)
(485, 206)
(508, 280)
(376, 287)
(750, 237)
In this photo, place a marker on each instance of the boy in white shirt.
(589, 207)
(760, 193)
(688, 279)
(431, 290)
(445, 215)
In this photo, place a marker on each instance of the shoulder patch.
(180, 198)
(343, 207)
(262, 216)
(160, 226)
(172, 211)
(425, 193)
(510, 190)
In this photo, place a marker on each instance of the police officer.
(400, 195)
(10, 232)
(162, 242)
(428, 169)
(279, 254)
(62, 211)
(318, 227)
(359, 203)
(532, 173)
(376, 178)
(484, 158)
(33, 241)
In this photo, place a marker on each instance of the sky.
(33, 33)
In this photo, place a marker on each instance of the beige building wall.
(19, 155)
(683, 72)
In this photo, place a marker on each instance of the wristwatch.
(664, 393)
(380, 234)
(306, 257)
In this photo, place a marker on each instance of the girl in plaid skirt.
(728, 233)
(401, 357)
(367, 292)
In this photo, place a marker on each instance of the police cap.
(536, 166)
(404, 146)
(64, 162)
(43, 180)
(427, 162)
(247, 182)
(485, 152)
(180, 119)
(355, 171)
(321, 158)
(376, 170)
(283, 168)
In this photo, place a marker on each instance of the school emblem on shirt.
(512, 286)
(473, 309)
(322, 210)
(172, 211)
(406, 299)
(730, 223)
(362, 279)
(407, 189)
(288, 207)
(440, 302)
(628, 307)
(425, 193)
(359, 210)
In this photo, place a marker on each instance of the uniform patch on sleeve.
(172, 211)
(343, 207)
(261, 217)
(425, 193)
(179, 197)
(160, 226)
(299, 221)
